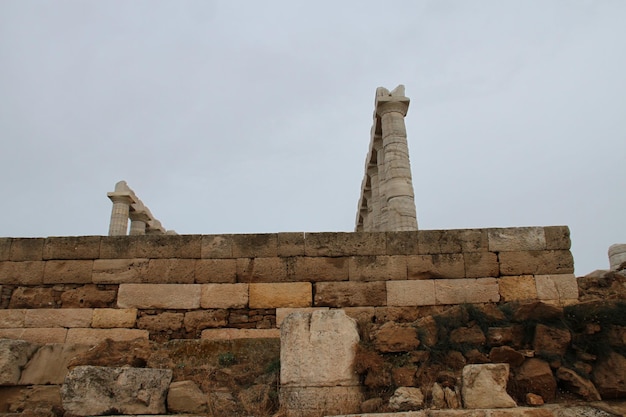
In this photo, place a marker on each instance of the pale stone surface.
(92, 390)
(170, 271)
(14, 354)
(287, 294)
(21, 273)
(459, 291)
(321, 269)
(72, 247)
(108, 318)
(350, 294)
(166, 296)
(95, 336)
(67, 272)
(58, 317)
(517, 239)
(41, 336)
(282, 313)
(216, 271)
(32, 400)
(49, 364)
(320, 401)
(481, 264)
(230, 334)
(411, 293)
(447, 265)
(186, 397)
(12, 318)
(517, 288)
(536, 262)
(318, 348)
(406, 399)
(484, 386)
(224, 296)
(290, 244)
(118, 271)
(377, 268)
(262, 270)
(557, 287)
(217, 246)
(617, 256)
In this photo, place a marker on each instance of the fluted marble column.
(138, 221)
(122, 199)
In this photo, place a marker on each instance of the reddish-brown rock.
(609, 376)
(394, 337)
(88, 296)
(551, 341)
(535, 376)
(577, 384)
(468, 335)
(506, 354)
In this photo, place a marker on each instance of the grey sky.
(250, 116)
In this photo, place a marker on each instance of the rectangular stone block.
(166, 296)
(151, 246)
(481, 264)
(217, 247)
(557, 287)
(74, 247)
(411, 293)
(290, 244)
(21, 273)
(459, 291)
(41, 336)
(67, 272)
(285, 294)
(433, 242)
(96, 336)
(350, 294)
(26, 249)
(255, 245)
(517, 239)
(224, 296)
(557, 238)
(58, 317)
(345, 244)
(170, 271)
(216, 271)
(119, 271)
(12, 318)
(232, 334)
(109, 318)
(281, 313)
(402, 243)
(320, 269)
(377, 268)
(261, 270)
(5, 248)
(536, 262)
(517, 288)
(446, 265)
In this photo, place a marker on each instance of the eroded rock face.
(484, 386)
(186, 397)
(535, 376)
(14, 354)
(93, 390)
(577, 384)
(394, 337)
(609, 377)
(407, 399)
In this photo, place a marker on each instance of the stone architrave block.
(26, 249)
(484, 386)
(170, 271)
(5, 248)
(284, 294)
(40, 336)
(12, 318)
(557, 287)
(447, 265)
(217, 247)
(110, 318)
(21, 273)
(49, 364)
(515, 239)
(345, 244)
(377, 268)
(411, 293)
(557, 238)
(318, 269)
(481, 264)
(232, 334)
(74, 247)
(224, 296)
(68, 272)
(165, 296)
(262, 270)
(350, 294)
(14, 354)
(517, 288)
(282, 313)
(290, 244)
(536, 262)
(58, 317)
(94, 336)
(263, 245)
(94, 390)
(119, 271)
(216, 271)
(459, 291)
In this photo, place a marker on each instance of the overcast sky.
(254, 116)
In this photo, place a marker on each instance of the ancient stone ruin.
(388, 319)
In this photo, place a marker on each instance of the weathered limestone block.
(92, 390)
(170, 271)
(320, 401)
(557, 238)
(617, 256)
(395, 337)
(186, 397)
(49, 364)
(321, 269)
(108, 318)
(282, 313)
(377, 268)
(452, 241)
(350, 294)
(536, 376)
(536, 262)
(161, 322)
(36, 400)
(151, 246)
(26, 249)
(216, 271)
(231, 334)
(411, 293)
(481, 264)
(21, 273)
(217, 247)
(67, 272)
(256, 270)
(14, 354)
(40, 336)
(449, 265)
(459, 291)
(5, 248)
(344, 244)
(290, 244)
(119, 271)
(165, 296)
(32, 297)
(484, 386)
(407, 399)
(94, 336)
(286, 294)
(255, 245)
(74, 247)
(517, 288)
(204, 319)
(557, 287)
(224, 296)
(12, 318)
(87, 296)
(517, 239)
(58, 317)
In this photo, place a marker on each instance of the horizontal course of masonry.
(86, 289)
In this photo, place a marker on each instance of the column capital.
(390, 104)
(121, 197)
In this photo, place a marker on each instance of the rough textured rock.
(186, 397)
(534, 399)
(14, 354)
(551, 341)
(372, 405)
(92, 390)
(406, 399)
(484, 386)
(257, 400)
(394, 337)
(506, 354)
(111, 353)
(536, 376)
(537, 311)
(577, 384)
(609, 376)
(49, 364)
(452, 397)
(438, 396)
(468, 335)
(319, 401)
